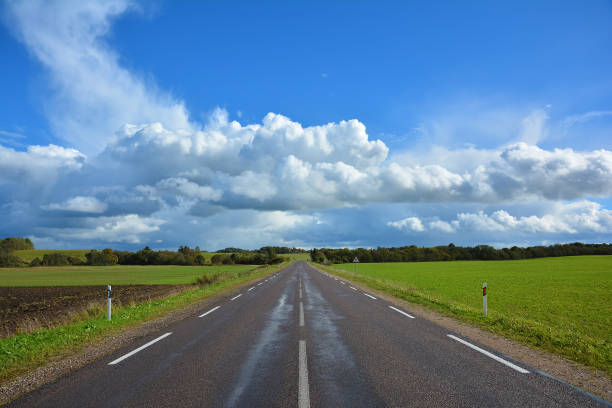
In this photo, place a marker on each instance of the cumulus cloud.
(150, 165)
(570, 218)
(38, 163)
(408, 224)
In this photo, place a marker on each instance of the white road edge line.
(236, 297)
(301, 314)
(303, 388)
(493, 356)
(251, 288)
(210, 311)
(260, 283)
(402, 312)
(370, 296)
(344, 283)
(144, 346)
(353, 288)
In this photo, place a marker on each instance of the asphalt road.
(302, 338)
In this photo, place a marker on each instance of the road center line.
(210, 311)
(370, 296)
(402, 312)
(301, 314)
(303, 388)
(236, 297)
(493, 356)
(251, 288)
(144, 346)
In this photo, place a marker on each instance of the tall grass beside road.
(24, 352)
(562, 305)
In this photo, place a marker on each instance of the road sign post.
(484, 298)
(355, 262)
(108, 301)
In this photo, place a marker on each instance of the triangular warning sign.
(355, 260)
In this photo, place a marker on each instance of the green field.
(563, 304)
(28, 255)
(111, 275)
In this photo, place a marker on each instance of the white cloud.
(253, 185)
(409, 224)
(129, 228)
(184, 187)
(38, 163)
(94, 94)
(260, 181)
(571, 218)
(533, 127)
(442, 226)
(79, 204)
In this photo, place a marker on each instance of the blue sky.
(215, 123)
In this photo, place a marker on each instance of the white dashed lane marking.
(210, 311)
(491, 355)
(402, 312)
(144, 346)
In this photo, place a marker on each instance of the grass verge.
(22, 353)
(572, 320)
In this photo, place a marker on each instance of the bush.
(221, 259)
(207, 279)
(36, 262)
(102, 258)
(56, 259)
(9, 260)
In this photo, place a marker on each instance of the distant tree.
(101, 258)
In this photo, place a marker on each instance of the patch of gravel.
(581, 376)
(69, 362)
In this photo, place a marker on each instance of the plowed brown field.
(25, 309)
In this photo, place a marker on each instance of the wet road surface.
(303, 338)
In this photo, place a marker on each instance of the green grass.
(111, 275)
(24, 352)
(563, 305)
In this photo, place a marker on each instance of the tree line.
(455, 253)
(183, 256)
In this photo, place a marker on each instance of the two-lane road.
(304, 338)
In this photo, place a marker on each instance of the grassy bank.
(560, 305)
(112, 275)
(21, 353)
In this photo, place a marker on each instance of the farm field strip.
(112, 275)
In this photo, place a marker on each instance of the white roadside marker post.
(108, 302)
(484, 298)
